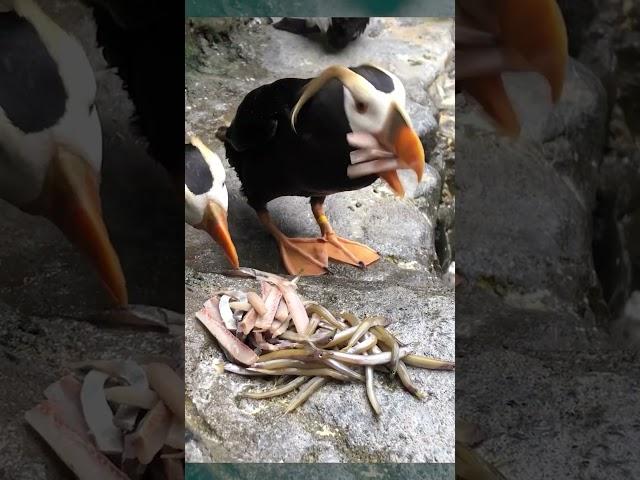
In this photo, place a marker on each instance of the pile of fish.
(115, 419)
(278, 333)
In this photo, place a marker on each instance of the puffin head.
(50, 135)
(374, 104)
(205, 195)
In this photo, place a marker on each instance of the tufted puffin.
(205, 195)
(50, 135)
(495, 36)
(338, 31)
(314, 137)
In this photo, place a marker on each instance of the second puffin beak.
(215, 224)
(535, 30)
(399, 137)
(71, 200)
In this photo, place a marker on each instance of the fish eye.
(361, 107)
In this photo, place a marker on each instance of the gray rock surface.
(228, 59)
(552, 395)
(336, 471)
(551, 391)
(539, 189)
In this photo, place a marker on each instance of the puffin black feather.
(197, 174)
(338, 31)
(141, 42)
(29, 77)
(272, 159)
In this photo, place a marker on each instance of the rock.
(627, 327)
(592, 28)
(336, 424)
(629, 79)
(545, 387)
(538, 190)
(336, 471)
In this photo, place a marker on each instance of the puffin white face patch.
(77, 128)
(212, 189)
(368, 110)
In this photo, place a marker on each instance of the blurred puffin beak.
(215, 224)
(71, 200)
(535, 30)
(399, 137)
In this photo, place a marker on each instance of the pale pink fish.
(80, 456)
(210, 318)
(271, 302)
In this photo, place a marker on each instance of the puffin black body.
(272, 161)
(274, 158)
(138, 42)
(339, 31)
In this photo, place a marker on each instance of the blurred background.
(53, 307)
(548, 312)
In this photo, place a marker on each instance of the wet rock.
(616, 228)
(335, 471)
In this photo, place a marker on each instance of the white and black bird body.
(206, 198)
(314, 137)
(338, 31)
(50, 134)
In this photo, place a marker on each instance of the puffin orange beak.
(71, 200)
(215, 224)
(399, 137)
(529, 35)
(535, 30)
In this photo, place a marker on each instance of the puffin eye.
(361, 107)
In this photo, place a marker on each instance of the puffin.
(338, 31)
(314, 137)
(496, 36)
(206, 198)
(50, 135)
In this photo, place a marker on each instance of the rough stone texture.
(336, 471)
(551, 391)
(552, 396)
(226, 59)
(539, 189)
(48, 290)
